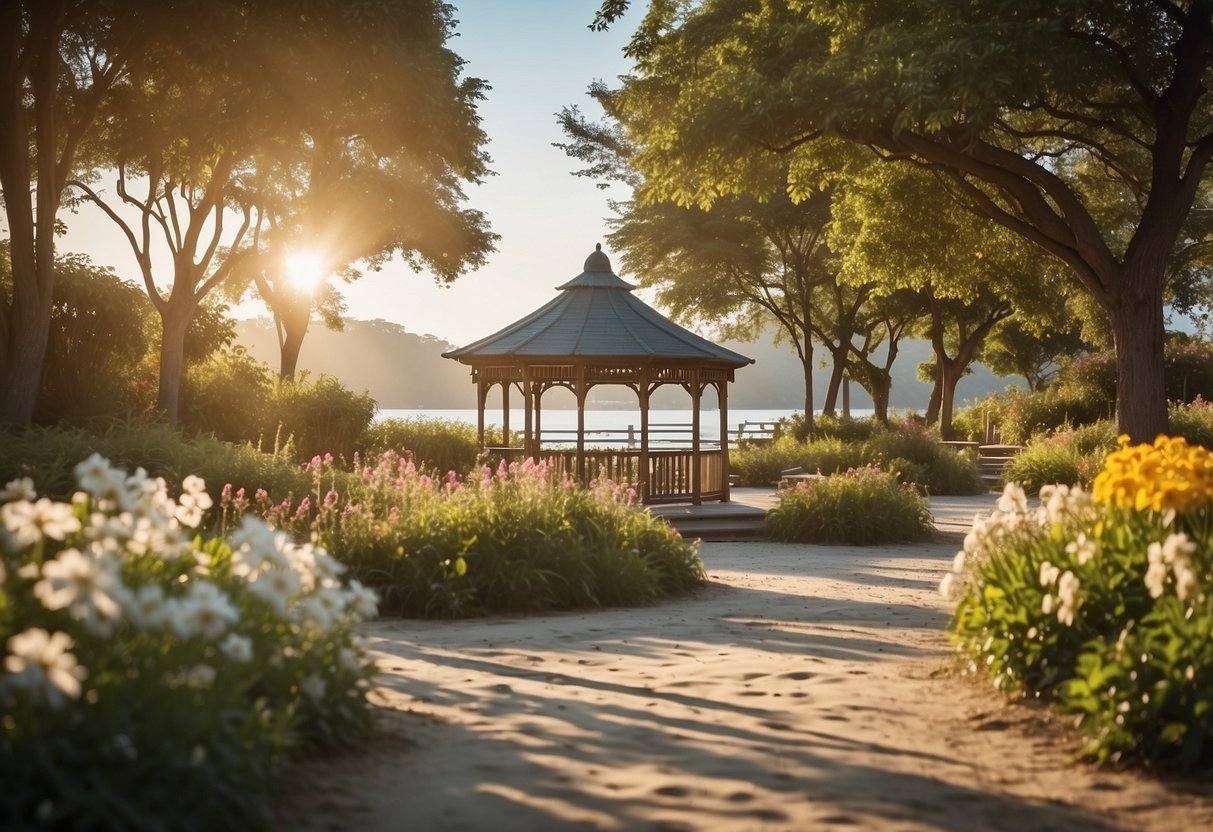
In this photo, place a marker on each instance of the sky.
(538, 56)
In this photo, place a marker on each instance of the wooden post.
(580, 392)
(642, 476)
(722, 393)
(696, 474)
(539, 390)
(482, 395)
(527, 414)
(505, 414)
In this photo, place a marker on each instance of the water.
(562, 424)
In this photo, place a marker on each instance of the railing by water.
(661, 435)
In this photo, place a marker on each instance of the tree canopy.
(1082, 126)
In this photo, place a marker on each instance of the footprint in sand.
(672, 791)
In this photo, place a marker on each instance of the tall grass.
(862, 506)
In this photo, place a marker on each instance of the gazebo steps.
(714, 521)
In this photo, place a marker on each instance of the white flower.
(257, 547)
(98, 478)
(945, 586)
(1068, 598)
(277, 586)
(1013, 499)
(1083, 547)
(30, 522)
(363, 602)
(41, 662)
(205, 611)
(193, 503)
(1048, 574)
(238, 648)
(1046, 604)
(348, 660)
(200, 676)
(90, 588)
(20, 489)
(1177, 547)
(1187, 585)
(1157, 571)
(958, 562)
(147, 608)
(313, 687)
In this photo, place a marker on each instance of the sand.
(808, 687)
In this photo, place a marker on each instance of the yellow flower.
(1168, 475)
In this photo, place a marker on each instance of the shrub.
(1069, 457)
(1099, 601)
(321, 416)
(907, 449)
(1193, 421)
(228, 395)
(438, 444)
(510, 540)
(154, 678)
(862, 506)
(49, 455)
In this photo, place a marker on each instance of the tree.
(1083, 127)
(327, 117)
(60, 61)
(1013, 349)
(738, 265)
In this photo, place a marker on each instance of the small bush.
(1193, 421)
(1069, 457)
(154, 678)
(438, 444)
(863, 506)
(48, 456)
(1101, 602)
(908, 450)
(228, 395)
(321, 416)
(509, 540)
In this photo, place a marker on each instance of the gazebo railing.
(670, 475)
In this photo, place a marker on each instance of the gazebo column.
(482, 395)
(722, 394)
(539, 391)
(696, 461)
(642, 476)
(528, 438)
(580, 391)
(505, 414)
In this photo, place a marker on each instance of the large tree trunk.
(175, 320)
(953, 372)
(830, 405)
(807, 368)
(294, 329)
(1141, 398)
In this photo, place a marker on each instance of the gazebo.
(597, 332)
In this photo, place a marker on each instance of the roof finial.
(597, 261)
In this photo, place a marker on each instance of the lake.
(560, 423)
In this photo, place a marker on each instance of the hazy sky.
(538, 56)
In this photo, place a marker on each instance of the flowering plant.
(1099, 600)
(518, 537)
(862, 505)
(152, 676)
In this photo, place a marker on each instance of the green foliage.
(907, 449)
(1193, 421)
(1100, 609)
(49, 455)
(510, 540)
(439, 444)
(862, 506)
(155, 678)
(321, 416)
(227, 395)
(1068, 457)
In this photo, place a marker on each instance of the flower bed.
(1099, 602)
(510, 539)
(863, 506)
(154, 678)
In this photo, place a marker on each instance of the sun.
(305, 270)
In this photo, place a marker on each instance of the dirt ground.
(809, 687)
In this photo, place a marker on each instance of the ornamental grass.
(1099, 601)
(510, 539)
(861, 506)
(157, 678)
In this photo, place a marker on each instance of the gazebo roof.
(596, 316)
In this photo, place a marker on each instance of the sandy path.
(807, 688)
